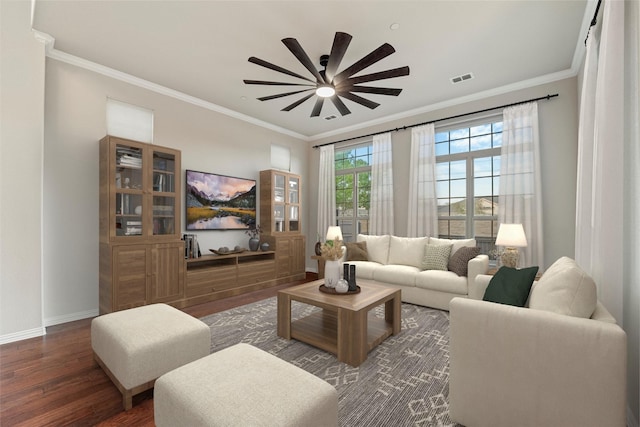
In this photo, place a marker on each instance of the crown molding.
(524, 84)
(67, 58)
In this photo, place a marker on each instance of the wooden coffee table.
(345, 326)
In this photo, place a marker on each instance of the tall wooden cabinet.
(141, 254)
(281, 223)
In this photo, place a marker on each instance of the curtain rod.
(594, 21)
(437, 120)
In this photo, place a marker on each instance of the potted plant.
(254, 237)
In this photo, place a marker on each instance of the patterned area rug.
(403, 382)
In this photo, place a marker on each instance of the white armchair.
(517, 366)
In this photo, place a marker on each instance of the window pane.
(442, 189)
(458, 169)
(481, 142)
(497, 140)
(442, 148)
(457, 228)
(458, 188)
(482, 187)
(458, 207)
(482, 166)
(459, 133)
(459, 146)
(442, 170)
(442, 136)
(481, 130)
(496, 127)
(483, 206)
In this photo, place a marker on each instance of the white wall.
(75, 121)
(558, 120)
(21, 114)
(631, 273)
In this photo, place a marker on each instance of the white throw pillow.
(565, 289)
(377, 247)
(407, 250)
(455, 243)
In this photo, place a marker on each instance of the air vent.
(331, 117)
(461, 78)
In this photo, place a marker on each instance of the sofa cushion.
(456, 243)
(565, 289)
(404, 275)
(357, 251)
(407, 250)
(459, 262)
(511, 286)
(365, 269)
(443, 281)
(436, 257)
(377, 247)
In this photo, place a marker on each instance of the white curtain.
(520, 195)
(600, 182)
(381, 211)
(423, 204)
(326, 191)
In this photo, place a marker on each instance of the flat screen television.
(219, 202)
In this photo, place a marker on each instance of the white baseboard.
(56, 320)
(22, 335)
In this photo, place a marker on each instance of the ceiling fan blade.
(387, 74)
(280, 95)
(375, 90)
(298, 102)
(340, 105)
(318, 107)
(264, 82)
(295, 48)
(360, 100)
(375, 56)
(274, 67)
(340, 44)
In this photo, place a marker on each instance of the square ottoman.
(243, 386)
(136, 346)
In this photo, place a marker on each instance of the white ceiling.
(200, 49)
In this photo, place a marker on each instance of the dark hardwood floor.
(54, 381)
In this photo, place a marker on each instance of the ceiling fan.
(327, 83)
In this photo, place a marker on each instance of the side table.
(321, 261)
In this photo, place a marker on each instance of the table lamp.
(333, 233)
(512, 236)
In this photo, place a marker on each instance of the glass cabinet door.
(129, 183)
(164, 193)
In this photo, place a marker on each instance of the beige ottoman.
(243, 386)
(136, 346)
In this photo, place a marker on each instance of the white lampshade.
(511, 235)
(334, 233)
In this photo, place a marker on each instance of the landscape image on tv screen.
(219, 202)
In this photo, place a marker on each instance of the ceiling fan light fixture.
(325, 91)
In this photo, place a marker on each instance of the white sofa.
(398, 262)
(550, 363)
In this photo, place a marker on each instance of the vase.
(331, 273)
(342, 287)
(352, 278)
(264, 246)
(254, 242)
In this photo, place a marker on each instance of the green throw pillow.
(511, 286)
(436, 257)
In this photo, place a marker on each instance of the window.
(353, 189)
(468, 179)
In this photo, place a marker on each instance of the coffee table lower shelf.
(320, 329)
